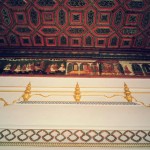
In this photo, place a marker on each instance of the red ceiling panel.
(75, 23)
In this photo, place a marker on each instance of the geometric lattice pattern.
(81, 103)
(74, 136)
(75, 23)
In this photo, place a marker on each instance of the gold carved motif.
(127, 93)
(27, 93)
(77, 94)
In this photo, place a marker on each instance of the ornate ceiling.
(75, 23)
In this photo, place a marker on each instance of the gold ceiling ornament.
(77, 93)
(127, 93)
(27, 93)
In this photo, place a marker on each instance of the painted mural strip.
(66, 67)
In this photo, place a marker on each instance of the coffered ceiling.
(123, 24)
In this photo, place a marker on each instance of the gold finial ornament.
(127, 93)
(77, 93)
(27, 93)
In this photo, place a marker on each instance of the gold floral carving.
(27, 93)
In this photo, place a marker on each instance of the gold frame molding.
(43, 144)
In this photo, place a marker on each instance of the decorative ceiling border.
(74, 138)
(41, 144)
(83, 23)
(75, 53)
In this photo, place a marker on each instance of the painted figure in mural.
(89, 69)
(48, 69)
(118, 69)
(85, 68)
(94, 69)
(13, 68)
(28, 68)
(146, 68)
(62, 68)
(106, 68)
(24, 68)
(1, 67)
(127, 71)
(53, 68)
(137, 69)
(36, 67)
(72, 69)
(18, 69)
(112, 68)
(42, 65)
(7, 68)
(32, 67)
